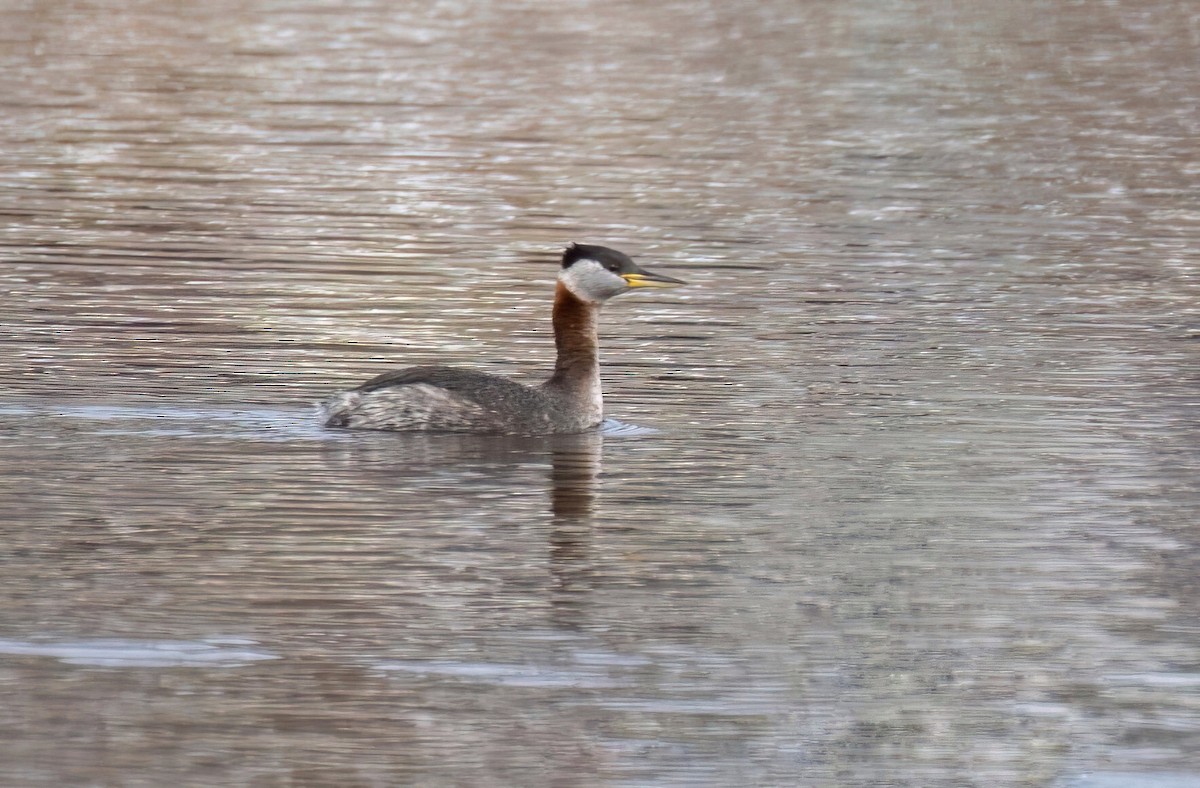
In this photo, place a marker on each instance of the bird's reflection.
(489, 463)
(574, 484)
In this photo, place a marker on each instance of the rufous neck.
(576, 339)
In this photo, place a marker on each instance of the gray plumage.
(453, 400)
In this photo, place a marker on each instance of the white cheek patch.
(591, 281)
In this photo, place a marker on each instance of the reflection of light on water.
(619, 429)
(1132, 780)
(119, 653)
(262, 423)
(728, 691)
(167, 421)
(506, 675)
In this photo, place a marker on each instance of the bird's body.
(458, 400)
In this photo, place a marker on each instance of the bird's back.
(447, 399)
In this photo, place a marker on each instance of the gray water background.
(905, 487)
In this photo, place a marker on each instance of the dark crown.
(601, 254)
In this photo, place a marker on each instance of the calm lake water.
(905, 484)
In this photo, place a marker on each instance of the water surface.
(903, 488)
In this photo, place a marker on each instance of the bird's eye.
(612, 267)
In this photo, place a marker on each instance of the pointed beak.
(643, 278)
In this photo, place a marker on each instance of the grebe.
(459, 400)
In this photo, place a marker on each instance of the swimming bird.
(461, 400)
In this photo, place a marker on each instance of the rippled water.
(903, 489)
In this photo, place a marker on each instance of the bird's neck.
(577, 370)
